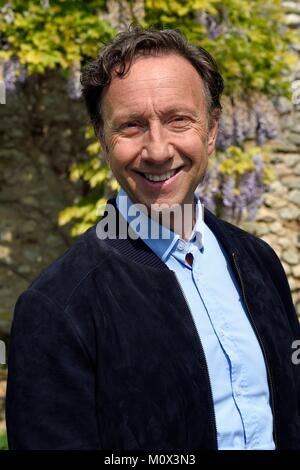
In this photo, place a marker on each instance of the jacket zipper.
(213, 416)
(234, 257)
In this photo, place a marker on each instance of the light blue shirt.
(234, 358)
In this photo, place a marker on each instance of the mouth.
(159, 178)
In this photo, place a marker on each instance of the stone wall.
(279, 218)
(41, 134)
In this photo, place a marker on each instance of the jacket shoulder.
(63, 276)
(249, 245)
(268, 263)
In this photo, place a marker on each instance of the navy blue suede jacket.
(104, 353)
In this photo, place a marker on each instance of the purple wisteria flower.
(236, 196)
(13, 72)
(267, 118)
(214, 25)
(7, 13)
(241, 120)
(207, 191)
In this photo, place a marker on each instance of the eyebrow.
(134, 115)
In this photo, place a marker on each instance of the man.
(180, 341)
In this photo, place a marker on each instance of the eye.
(130, 128)
(179, 121)
(129, 125)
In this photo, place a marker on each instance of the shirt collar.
(159, 238)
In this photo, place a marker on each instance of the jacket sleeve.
(281, 282)
(50, 401)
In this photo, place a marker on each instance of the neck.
(180, 218)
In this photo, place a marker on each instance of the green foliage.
(3, 441)
(236, 181)
(89, 209)
(58, 35)
(249, 42)
(252, 48)
(235, 161)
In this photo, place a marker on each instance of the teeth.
(163, 177)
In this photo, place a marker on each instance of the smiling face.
(156, 132)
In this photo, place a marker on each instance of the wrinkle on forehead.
(159, 69)
(180, 82)
(170, 85)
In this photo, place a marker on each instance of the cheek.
(123, 152)
(192, 147)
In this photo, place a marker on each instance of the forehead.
(165, 78)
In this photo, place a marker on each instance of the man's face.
(156, 132)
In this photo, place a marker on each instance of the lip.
(156, 186)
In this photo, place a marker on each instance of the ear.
(212, 136)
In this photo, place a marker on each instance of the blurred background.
(52, 173)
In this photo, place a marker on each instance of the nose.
(157, 147)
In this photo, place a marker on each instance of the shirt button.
(180, 246)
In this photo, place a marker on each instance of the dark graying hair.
(118, 55)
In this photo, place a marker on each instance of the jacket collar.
(164, 239)
(138, 251)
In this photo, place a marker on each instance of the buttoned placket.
(222, 330)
